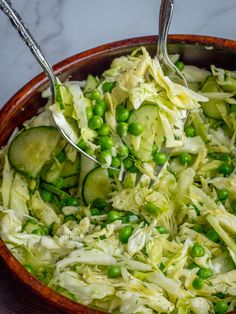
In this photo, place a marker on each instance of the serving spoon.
(168, 67)
(165, 16)
(19, 25)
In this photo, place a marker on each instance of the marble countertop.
(64, 28)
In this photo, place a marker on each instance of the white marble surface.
(65, 27)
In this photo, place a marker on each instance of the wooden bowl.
(198, 50)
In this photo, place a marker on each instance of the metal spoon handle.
(166, 12)
(16, 20)
(18, 24)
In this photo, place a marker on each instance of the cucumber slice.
(63, 96)
(32, 148)
(50, 172)
(71, 181)
(97, 183)
(87, 165)
(71, 168)
(213, 108)
(210, 85)
(146, 115)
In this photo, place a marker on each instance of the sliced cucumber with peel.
(213, 107)
(71, 181)
(71, 168)
(32, 148)
(147, 115)
(50, 172)
(97, 183)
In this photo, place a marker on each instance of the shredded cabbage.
(139, 250)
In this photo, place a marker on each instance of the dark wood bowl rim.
(16, 268)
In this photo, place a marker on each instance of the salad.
(112, 245)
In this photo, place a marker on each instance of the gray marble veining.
(65, 27)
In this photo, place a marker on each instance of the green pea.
(82, 145)
(226, 169)
(46, 230)
(108, 86)
(193, 265)
(113, 173)
(122, 128)
(197, 250)
(233, 108)
(59, 182)
(95, 95)
(130, 217)
(62, 202)
(69, 218)
(185, 158)
(29, 268)
(89, 112)
(122, 114)
(154, 149)
(133, 169)
(95, 122)
(222, 194)
(151, 208)
(99, 203)
(89, 151)
(61, 157)
(100, 108)
(115, 162)
(233, 205)
(190, 131)
(161, 229)
(123, 151)
(113, 271)
(113, 215)
(198, 228)
(38, 231)
(135, 128)
(72, 201)
(106, 142)
(46, 196)
(204, 273)
(104, 156)
(160, 158)
(104, 130)
(94, 212)
(125, 233)
(128, 162)
(221, 307)
(179, 65)
(225, 157)
(213, 235)
(198, 283)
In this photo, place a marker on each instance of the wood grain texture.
(15, 298)
(15, 295)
